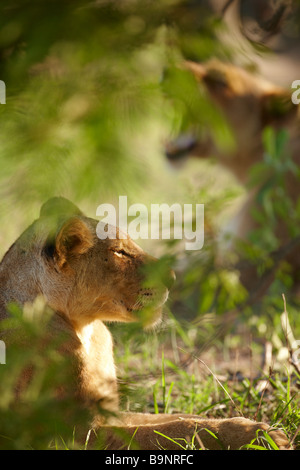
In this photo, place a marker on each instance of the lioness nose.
(169, 279)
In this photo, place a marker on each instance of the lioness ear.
(197, 70)
(278, 109)
(74, 238)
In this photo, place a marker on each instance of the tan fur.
(87, 282)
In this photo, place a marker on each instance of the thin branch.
(217, 380)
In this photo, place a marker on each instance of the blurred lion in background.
(249, 104)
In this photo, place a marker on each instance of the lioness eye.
(121, 253)
(216, 78)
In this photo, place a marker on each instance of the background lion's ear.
(57, 207)
(198, 70)
(74, 238)
(278, 109)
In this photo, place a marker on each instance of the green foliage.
(275, 206)
(83, 82)
(43, 412)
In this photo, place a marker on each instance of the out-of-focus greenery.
(85, 109)
(93, 90)
(45, 412)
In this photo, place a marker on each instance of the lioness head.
(248, 104)
(82, 277)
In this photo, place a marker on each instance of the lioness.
(249, 104)
(88, 281)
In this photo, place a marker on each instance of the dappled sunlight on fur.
(87, 282)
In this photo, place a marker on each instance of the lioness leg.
(231, 433)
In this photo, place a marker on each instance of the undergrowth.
(165, 371)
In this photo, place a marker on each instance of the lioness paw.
(237, 433)
(278, 437)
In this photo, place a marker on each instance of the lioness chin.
(87, 282)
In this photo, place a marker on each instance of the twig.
(199, 441)
(262, 393)
(289, 336)
(216, 378)
(294, 436)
